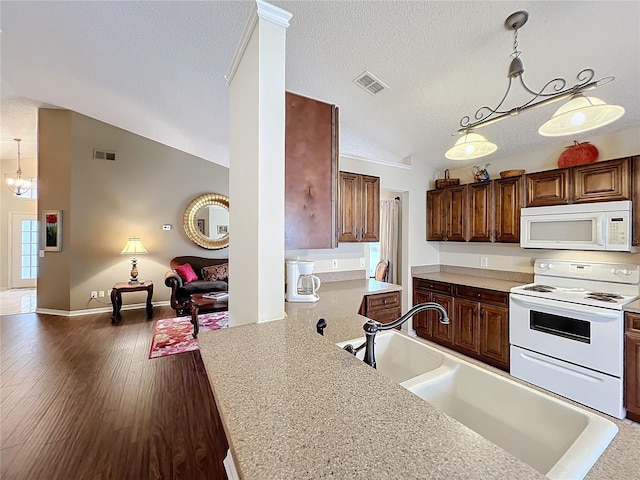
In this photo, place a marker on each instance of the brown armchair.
(181, 291)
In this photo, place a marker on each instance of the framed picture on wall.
(52, 231)
(223, 229)
(200, 222)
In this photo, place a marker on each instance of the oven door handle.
(564, 307)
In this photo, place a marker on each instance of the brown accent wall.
(105, 202)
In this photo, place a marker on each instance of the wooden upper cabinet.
(349, 207)
(359, 212)
(437, 215)
(480, 212)
(604, 181)
(635, 224)
(370, 220)
(457, 214)
(548, 188)
(596, 182)
(311, 173)
(507, 195)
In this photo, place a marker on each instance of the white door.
(23, 250)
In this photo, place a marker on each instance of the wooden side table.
(199, 302)
(120, 287)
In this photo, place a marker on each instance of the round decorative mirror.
(206, 221)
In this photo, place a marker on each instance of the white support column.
(256, 82)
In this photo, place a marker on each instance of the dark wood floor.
(81, 400)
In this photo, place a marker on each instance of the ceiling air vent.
(370, 83)
(103, 155)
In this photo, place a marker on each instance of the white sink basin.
(557, 439)
(400, 357)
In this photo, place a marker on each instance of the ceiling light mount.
(593, 112)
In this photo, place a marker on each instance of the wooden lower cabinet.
(494, 334)
(479, 320)
(382, 307)
(632, 366)
(466, 326)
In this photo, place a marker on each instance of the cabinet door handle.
(481, 312)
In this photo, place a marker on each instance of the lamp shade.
(470, 145)
(580, 114)
(134, 246)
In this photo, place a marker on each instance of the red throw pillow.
(186, 272)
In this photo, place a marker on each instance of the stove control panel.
(596, 271)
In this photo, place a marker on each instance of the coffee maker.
(301, 284)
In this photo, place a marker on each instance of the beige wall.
(10, 204)
(105, 202)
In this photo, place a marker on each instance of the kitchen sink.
(556, 438)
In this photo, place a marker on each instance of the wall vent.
(103, 155)
(369, 82)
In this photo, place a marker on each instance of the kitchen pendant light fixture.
(16, 183)
(470, 145)
(580, 114)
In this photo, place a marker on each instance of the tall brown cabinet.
(311, 173)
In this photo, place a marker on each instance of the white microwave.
(584, 226)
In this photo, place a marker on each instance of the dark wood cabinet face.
(420, 322)
(349, 207)
(507, 194)
(440, 331)
(480, 212)
(494, 333)
(598, 182)
(311, 171)
(370, 187)
(466, 324)
(479, 320)
(457, 214)
(437, 215)
(359, 208)
(548, 188)
(632, 366)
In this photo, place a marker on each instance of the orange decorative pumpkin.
(578, 154)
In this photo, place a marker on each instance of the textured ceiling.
(157, 68)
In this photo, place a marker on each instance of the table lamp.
(134, 247)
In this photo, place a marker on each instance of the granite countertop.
(471, 280)
(633, 307)
(294, 405)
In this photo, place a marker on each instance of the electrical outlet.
(484, 262)
(362, 264)
(101, 293)
(94, 294)
(334, 263)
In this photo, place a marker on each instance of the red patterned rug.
(175, 335)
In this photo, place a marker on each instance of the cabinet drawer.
(632, 322)
(482, 295)
(432, 285)
(382, 301)
(386, 315)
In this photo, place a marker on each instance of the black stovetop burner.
(540, 288)
(603, 296)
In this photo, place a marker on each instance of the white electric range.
(566, 330)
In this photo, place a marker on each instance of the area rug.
(175, 335)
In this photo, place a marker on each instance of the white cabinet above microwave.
(590, 226)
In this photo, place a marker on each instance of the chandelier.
(17, 184)
(579, 114)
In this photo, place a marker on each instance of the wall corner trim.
(264, 11)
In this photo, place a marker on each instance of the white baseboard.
(91, 311)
